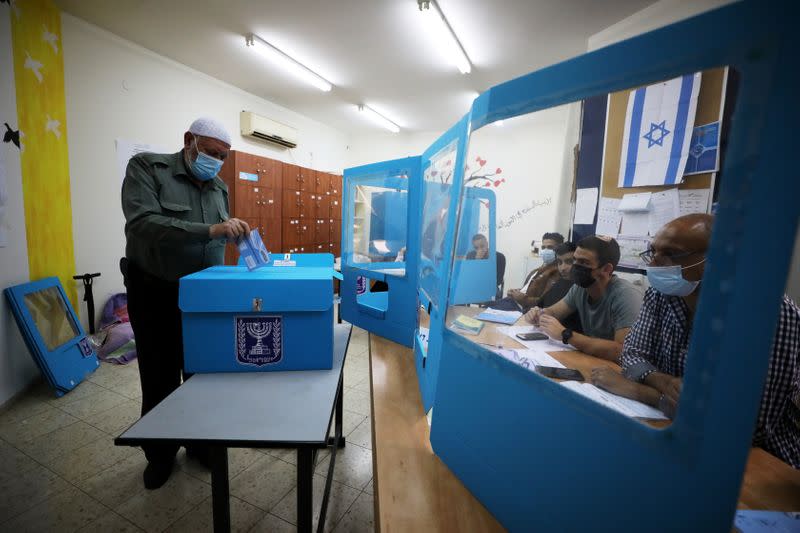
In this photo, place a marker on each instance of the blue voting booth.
(52, 332)
(380, 248)
(525, 445)
(278, 317)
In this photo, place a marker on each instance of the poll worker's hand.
(669, 386)
(231, 230)
(612, 381)
(518, 296)
(550, 325)
(533, 315)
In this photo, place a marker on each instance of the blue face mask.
(204, 167)
(669, 280)
(547, 255)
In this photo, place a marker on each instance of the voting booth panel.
(271, 319)
(442, 170)
(52, 333)
(475, 278)
(524, 444)
(380, 247)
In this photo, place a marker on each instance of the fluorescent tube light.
(286, 62)
(379, 119)
(441, 29)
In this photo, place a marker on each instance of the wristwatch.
(566, 335)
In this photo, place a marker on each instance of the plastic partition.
(526, 446)
(380, 247)
(475, 279)
(442, 171)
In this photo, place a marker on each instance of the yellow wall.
(41, 110)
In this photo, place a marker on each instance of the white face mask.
(547, 255)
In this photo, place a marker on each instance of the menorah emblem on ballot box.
(259, 340)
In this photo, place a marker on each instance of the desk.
(254, 410)
(415, 491)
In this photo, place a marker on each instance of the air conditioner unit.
(267, 130)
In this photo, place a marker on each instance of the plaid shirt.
(659, 342)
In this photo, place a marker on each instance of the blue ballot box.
(273, 318)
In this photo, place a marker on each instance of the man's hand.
(533, 315)
(669, 386)
(612, 381)
(231, 230)
(517, 295)
(550, 325)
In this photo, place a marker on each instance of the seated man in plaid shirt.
(654, 352)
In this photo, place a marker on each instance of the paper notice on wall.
(629, 249)
(639, 201)
(693, 201)
(585, 205)
(608, 217)
(664, 208)
(128, 149)
(634, 223)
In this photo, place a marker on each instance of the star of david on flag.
(658, 130)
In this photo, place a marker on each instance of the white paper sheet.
(608, 217)
(548, 345)
(424, 335)
(693, 201)
(528, 358)
(616, 403)
(128, 149)
(639, 201)
(664, 208)
(635, 223)
(629, 249)
(585, 205)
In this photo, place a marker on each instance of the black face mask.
(582, 275)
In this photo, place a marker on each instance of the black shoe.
(156, 474)
(201, 454)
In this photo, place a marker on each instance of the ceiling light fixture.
(286, 62)
(447, 37)
(379, 119)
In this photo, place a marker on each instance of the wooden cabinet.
(295, 209)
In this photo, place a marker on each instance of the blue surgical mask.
(204, 167)
(669, 280)
(547, 255)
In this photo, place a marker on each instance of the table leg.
(338, 438)
(220, 495)
(305, 489)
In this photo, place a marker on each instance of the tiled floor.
(60, 470)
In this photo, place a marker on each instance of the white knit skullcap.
(208, 127)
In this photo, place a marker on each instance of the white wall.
(535, 154)
(380, 146)
(16, 365)
(650, 18)
(116, 89)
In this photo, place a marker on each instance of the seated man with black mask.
(565, 257)
(606, 304)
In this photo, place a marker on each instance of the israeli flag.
(658, 131)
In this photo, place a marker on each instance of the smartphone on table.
(532, 336)
(570, 374)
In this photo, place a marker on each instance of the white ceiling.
(373, 51)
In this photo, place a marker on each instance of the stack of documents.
(501, 317)
(465, 324)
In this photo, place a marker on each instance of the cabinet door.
(321, 231)
(246, 206)
(271, 234)
(292, 179)
(334, 230)
(270, 172)
(268, 202)
(307, 205)
(335, 184)
(292, 203)
(335, 207)
(291, 234)
(246, 169)
(319, 206)
(307, 234)
(322, 182)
